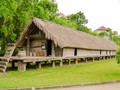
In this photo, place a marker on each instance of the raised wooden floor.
(22, 61)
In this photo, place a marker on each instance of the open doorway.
(49, 47)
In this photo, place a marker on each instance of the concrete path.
(108, 86)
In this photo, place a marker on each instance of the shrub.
(118, 56)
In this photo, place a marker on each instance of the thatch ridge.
(67, 37)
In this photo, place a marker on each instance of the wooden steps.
(4, 62)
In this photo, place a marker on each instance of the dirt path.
(110, 86)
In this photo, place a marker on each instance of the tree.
(115, 32)
(102, 34)
(7, 11)
(14, 14)
(45, 9)
(80, 20)
(118, 56)
(109, 31)
(116, 39)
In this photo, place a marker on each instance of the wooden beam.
(28, 46)
(53, 49)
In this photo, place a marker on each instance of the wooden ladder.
(4, 62)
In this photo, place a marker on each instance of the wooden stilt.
(86, 60)
(93, 59)
(61, 63)
(106, 58)
(103, 58)
(53, 64)
(69, 62)
(76, 61)
(21, 66)
(38, 65)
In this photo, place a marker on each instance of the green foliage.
(115, 32)
(116, 39)
(109, 30)
(65, 22)
(15, 14)
(118, 55)
(102, 34)
(80, 20)
(94, 33)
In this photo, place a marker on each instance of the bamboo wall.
(58, 51)
(85, 52)
(36, 47)
(68, 52)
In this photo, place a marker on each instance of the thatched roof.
(66, 37)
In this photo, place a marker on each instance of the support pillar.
(98, 58)
(53, 49)
(103, 58)
(21, 66)
(53, 64)
(28, 46)
(76, 61)
(110, 57)
(86, 60)
(61, 63)
(106, 58)
(38, 65)
(93, 59)
(69, 62)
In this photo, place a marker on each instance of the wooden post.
(53, 49)
(45, 62)
(69, 62)
(106, 57)
(28, 46)
(93, 59)
(61, 63)
(76, 61)
(103, 58)
(21, 66)
(98, 58)
(38, 65)
(110, 57)
(86, 60)
(53, 64)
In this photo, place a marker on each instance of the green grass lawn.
(99, 71)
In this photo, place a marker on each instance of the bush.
(118, 56)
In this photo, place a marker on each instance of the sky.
(98, 12)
